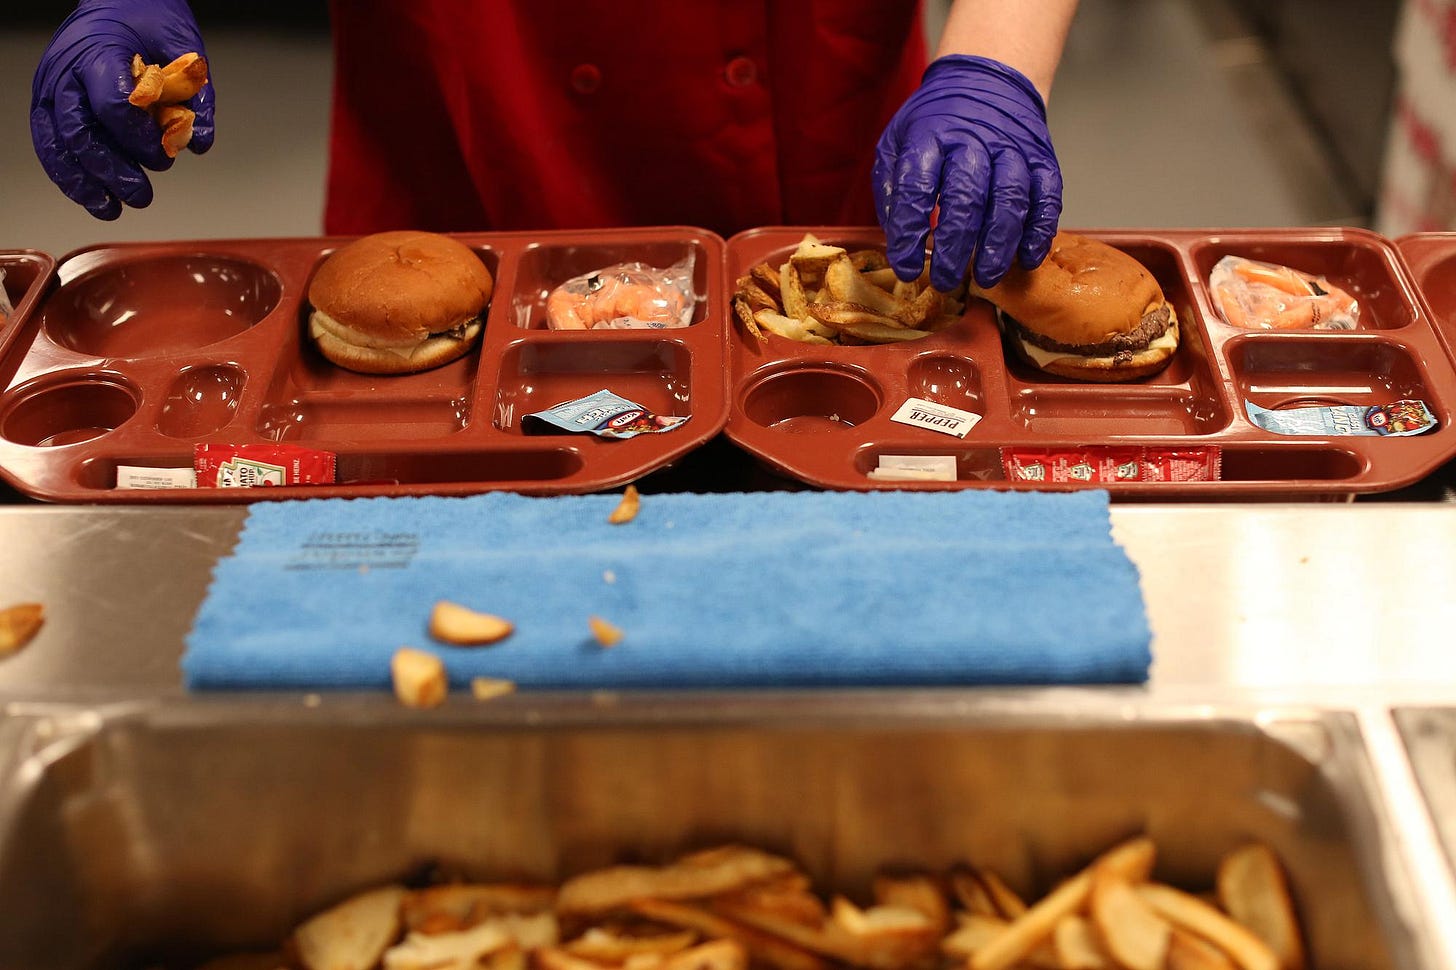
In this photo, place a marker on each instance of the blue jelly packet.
(603, 414)
(1403, 418)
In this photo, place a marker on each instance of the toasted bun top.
(399, 287)
(1084, 293)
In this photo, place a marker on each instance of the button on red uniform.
(741, 72)
(586, 78)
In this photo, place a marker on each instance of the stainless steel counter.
(1271, 615)
(1301, 603)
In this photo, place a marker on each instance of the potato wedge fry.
(846, 285)
(885, 279)
(418, 678)
(795, 300)
(606, 946)
(713, 955)
(471, 903)
(462, 948)
(792, 329)
(555, 958)
(627, 508)
(869, 260)
(352, 935)
(745, 316)
(149, 84)
(183, 78)
(722, 870)
(767, 279)
(461, 626)
(1191, 913)
(176, 123)
(763, 947)
(837, 313)
(1007, 903)
(1253, 890)
(604, 632)
(921, 310)
(1132, 932)
(18, 626)
(758, 299)
(975, 931)
(1078, 947)
(972, 894)
(489, 688)
(1132, 860)
(920, 893)
(1188, 952)
(812, 259)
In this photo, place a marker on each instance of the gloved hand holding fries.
(122, 87)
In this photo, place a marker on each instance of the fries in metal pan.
(740, 908)
(825, 294)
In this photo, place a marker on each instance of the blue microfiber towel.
(779, 589)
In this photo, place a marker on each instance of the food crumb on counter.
(18, 626)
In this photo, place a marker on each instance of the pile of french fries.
(825, 294)
(735, 908)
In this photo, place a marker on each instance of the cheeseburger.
(398, 302)
(1089, 312)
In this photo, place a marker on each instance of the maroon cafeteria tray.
(26, 274)
(1431, 257)
(137, 352)
(821, 414)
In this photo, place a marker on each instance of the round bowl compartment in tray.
(811, 399)
(147, 307)
(202, 400)
(67, 408)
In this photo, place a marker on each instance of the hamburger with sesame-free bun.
(1089, 312)
(398, 302)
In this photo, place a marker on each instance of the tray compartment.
(1117, 413)
(545, 266)
(159, 304)
(643, 367)
(1361, 263)
(1286, 370)
(201, 400)
(309, 398)
(811, 399)
(1190, 363)
(67, 408)
(99, 828)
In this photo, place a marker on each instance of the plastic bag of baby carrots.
(1254, 295)
(626, 296)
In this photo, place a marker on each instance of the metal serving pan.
(149, 835)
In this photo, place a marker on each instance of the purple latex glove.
(973, 139)
(92, 142)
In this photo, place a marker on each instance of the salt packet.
(603, 414)
(1401, 419)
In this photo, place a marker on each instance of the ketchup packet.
(603, 414)
(250, 466)
(1102, 465)
(1401, 419)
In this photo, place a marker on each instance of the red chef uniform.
(455, 115)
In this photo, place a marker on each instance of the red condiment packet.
(257, 465)
(1108, 464)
